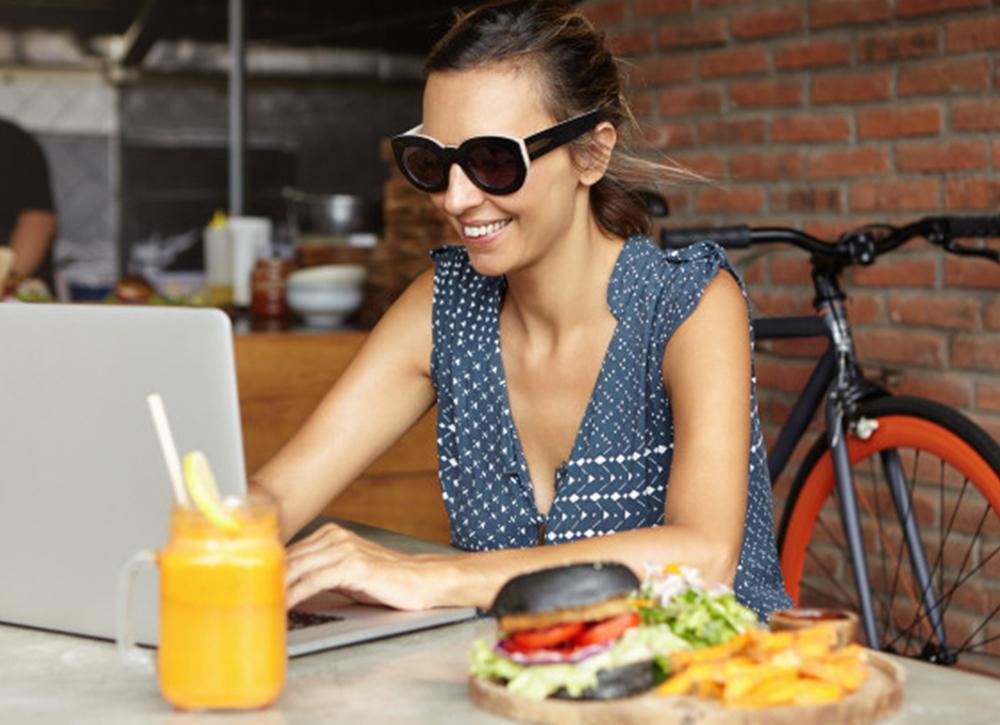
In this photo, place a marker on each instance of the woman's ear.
(602, 141)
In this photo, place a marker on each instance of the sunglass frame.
(529, 148)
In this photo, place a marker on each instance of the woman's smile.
(484, 232)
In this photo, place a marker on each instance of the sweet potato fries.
(766, 669)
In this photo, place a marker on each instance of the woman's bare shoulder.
(716, 332)
(418, 296)
(405, 328)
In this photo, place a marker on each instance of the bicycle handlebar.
(732, 237)
(860, 245)
(969, 227)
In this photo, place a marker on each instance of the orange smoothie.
(222, 611)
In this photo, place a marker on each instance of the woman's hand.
(337, 559)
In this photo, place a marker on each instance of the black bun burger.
(571, 632)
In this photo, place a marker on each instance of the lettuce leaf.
(700, 615)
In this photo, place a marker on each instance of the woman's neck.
(564, 289)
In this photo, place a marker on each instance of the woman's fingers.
(326, 539)
(337, 559)
(301, 561)
(311, 582)
(351, 575)
(296, 554)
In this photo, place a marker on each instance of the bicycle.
(932, 471)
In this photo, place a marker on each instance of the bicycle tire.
(936, 432)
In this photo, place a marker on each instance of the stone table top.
(415, 678)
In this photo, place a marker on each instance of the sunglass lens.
(424, 166)
(494, 165)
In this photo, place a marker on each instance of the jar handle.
(128, 651)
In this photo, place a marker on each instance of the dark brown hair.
(579, 74)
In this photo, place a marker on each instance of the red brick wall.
(825, 115)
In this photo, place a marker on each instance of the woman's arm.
(707, 374)
(382, 393)
(707, 371)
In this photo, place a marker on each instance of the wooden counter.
(282, 377)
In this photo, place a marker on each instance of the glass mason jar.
(222, 609)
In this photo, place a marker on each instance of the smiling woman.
(594, 393)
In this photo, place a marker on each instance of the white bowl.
(325, 296)
(327, 275)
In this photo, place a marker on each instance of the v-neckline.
(584, 425)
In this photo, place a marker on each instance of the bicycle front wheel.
(952, 472)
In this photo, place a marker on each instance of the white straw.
(167, 446)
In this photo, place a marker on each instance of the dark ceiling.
(397, 26)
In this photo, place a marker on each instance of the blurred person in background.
(27, 214)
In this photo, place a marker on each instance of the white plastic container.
(218, 251)
(250, 237)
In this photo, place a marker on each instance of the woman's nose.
(461, 194)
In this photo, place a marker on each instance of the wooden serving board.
(879, 697)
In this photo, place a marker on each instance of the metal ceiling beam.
(237, 107)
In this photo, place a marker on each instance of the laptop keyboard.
(298, 619)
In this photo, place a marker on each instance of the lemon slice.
(205, 493)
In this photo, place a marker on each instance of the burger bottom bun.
(589, 613)
(615, 684)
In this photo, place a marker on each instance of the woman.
(594, 393)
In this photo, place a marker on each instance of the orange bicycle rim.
(894, 431)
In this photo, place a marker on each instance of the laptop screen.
(84, 484)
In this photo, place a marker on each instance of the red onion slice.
(551, 656)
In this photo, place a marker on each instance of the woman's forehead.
(501, 99)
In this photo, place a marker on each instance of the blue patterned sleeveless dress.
(615, 478)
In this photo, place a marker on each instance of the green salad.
(700, 615)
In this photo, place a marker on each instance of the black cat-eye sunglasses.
(496, 164)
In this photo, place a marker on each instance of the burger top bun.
(560, 587)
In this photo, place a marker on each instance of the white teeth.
(485, 229)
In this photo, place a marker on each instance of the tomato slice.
(545, 637)
(609, 629)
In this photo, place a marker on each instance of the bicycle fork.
(833, 315)
(839, 397)
(928, 596)
(849, 513)
(850, 517)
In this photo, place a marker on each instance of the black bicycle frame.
(808, 402)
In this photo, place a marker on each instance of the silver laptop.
(82, 480)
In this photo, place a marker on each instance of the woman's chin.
(488, 265)
(489, 258)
